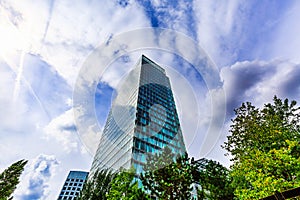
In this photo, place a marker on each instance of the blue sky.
(47, 45)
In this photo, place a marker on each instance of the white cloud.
(285, 42)
(18, 115)
(43, 95)
(67, 45)
(233, 31)
(38, 98)
(174, 15)
(63, 129)
(217, 21)
(35, 178)
(64, 33)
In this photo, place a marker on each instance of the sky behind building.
(254, 45)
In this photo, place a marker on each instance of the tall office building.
(73, 185)
(142, 120)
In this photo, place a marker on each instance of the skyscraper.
(142, 120)
(73, 185)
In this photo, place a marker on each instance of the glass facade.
(143, 120)
(73, 185)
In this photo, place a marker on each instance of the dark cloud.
(241, 77)
(259, 81)
(123, 3)
(71, 128)
(291, 85)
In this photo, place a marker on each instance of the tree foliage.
(98, 186)
(214, 181)
(9, 179)
(124, 187)
(169, 178)
(260, 174)
(105, 184)
(265, 144)
(263, 129)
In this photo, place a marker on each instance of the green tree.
(260, 174)
(98, 186)
(263, 129)
(214, 181)
(264, 144)
(124, 187)
(9, 179)
(169, 178)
